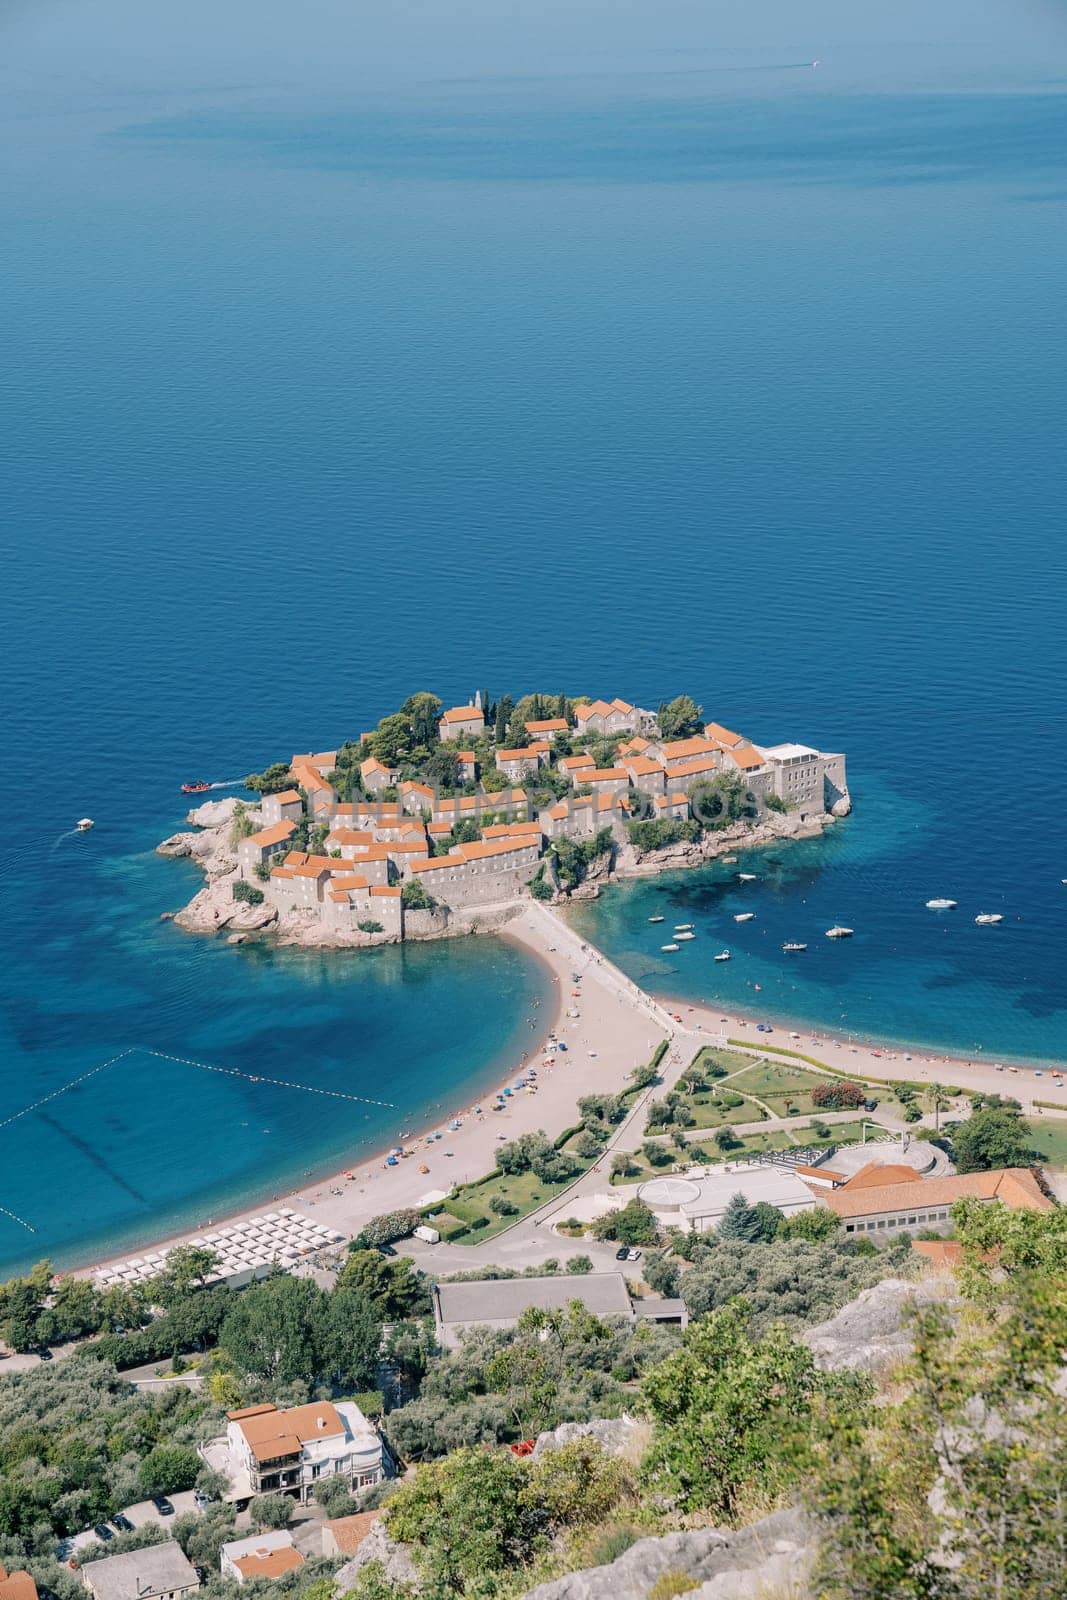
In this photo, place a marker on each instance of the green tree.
(423, 711)
(679, 718)
(993, 1136)
(634, 1224)
(169, 1468)
(187, 1267)
(272, 780)
(732, 1413)
(937, 1098)
(395, 1287)
(393, 740)
(413, 895)
(352, 1338)
(818, 1223)
(504, 708)
(739, 1220)
(464, 1519)
(271, 1510)
(276, 1331)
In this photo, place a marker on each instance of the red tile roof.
(1015, 1186)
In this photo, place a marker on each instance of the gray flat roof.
(157, 1569)
(656, 1310)
(500, 1301)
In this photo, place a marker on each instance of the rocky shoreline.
(213, 910)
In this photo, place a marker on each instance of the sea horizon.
(628, 356)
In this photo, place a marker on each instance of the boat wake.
(71, 833)
(231, 783)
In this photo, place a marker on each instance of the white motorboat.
(744, 916)
(685, 936)
(85, 824)
(723, 955)
(669, 947)
(989, 919)
(682, 927)
(839, 933)
(793, 946)
(746, 877)
(940, 905)
(656, 919)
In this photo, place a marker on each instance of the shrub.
(387, 1228)
(413, 896)
(503, 1207)
(634, 1224)
(838, 1096)
(774, 802)
(370, 927)
(670, 1584)
(248, 893)
(612, 1545)
(579, 1264)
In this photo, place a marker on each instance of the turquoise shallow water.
(347, 354)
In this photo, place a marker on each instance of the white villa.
(265, 1450)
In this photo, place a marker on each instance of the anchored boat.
(839, 933)
(793, 946)
(670, 947)
(744, 916)
(989, 918)
(940, 905)
(723, 955)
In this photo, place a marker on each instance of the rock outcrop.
(768, 1557)
(872, 1332)
(617, 1436)
(214, 813)
(377, 1546)
(771, 828)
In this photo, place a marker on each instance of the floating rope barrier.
(20, 1220)
(200, 1066)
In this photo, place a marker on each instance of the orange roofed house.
(887, 1208)
(16, 1585)
(610, 716)
(264, 1555)
(462, 722)
(267, 1451)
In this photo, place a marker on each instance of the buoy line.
(201, 1066)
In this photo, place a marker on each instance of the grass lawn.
(771, 1080)
(1050, 1137)
(751, 1144)
(729, 1060)
(711, 1113)
(523, 1189)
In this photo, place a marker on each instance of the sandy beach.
(609, 1026)
(616, 1028)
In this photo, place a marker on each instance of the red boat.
(194, 788)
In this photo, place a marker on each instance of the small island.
(441, 822)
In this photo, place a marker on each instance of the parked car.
(44, 1354)
(122, 1522)
(200, 1499)
(103, 1532)
(633, 1255)
(622, 1253)
(870, 1105)
(162, 1505)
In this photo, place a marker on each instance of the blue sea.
(348, 351)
